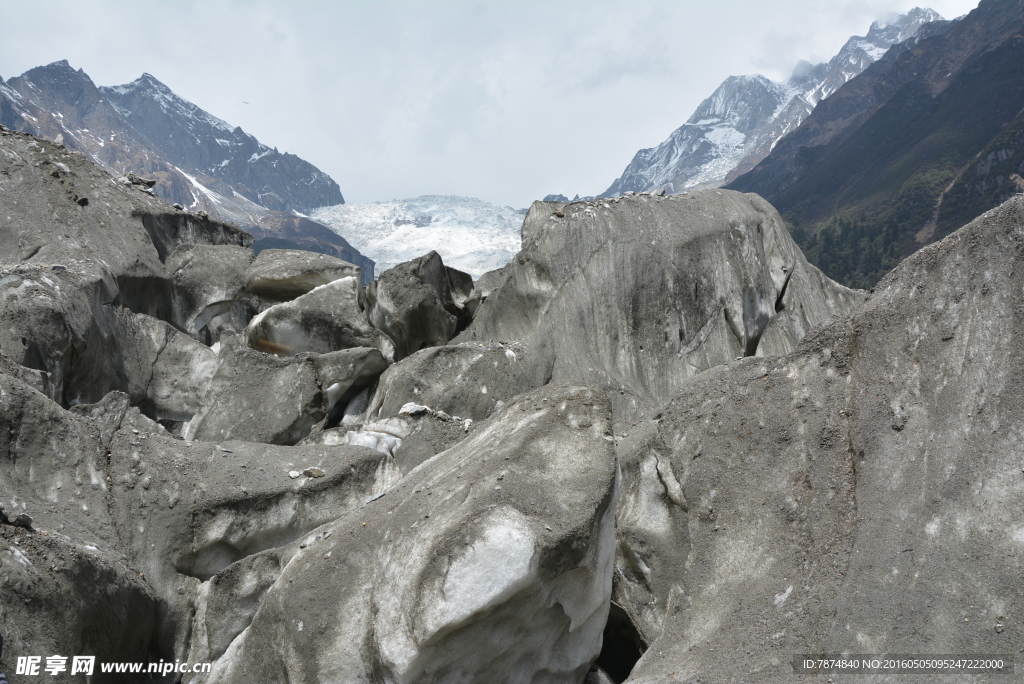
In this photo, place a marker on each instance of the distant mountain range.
(471, 235)
(731, 131)
(197, 160)
(921, 142)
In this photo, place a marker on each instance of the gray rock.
(206, 283)
(482, 288)
(413, 304)
(260, 397)
(60, 596)
(66, 267)
(465, 380)
(167, 373)
(510, 532)
(641, 295)
(808, 522)
(326, 319)
(280, 275)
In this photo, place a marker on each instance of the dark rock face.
(413, 303)
(67, 267)
(764, 462)
(190, 157)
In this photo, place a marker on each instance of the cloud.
(502, 101)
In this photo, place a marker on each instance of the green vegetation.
(864, 203)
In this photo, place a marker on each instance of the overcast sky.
(505, 101)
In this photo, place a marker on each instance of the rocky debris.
(260, 397)
(280, 275)
(413, 304)
(458, 385)
(466, 380)
(510, 532)
(326, 319)
(472, 519)
(808, 520)
(641, 294)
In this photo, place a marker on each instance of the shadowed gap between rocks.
(622, 645)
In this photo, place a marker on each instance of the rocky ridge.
(196, 160)
(740, 123)
(901, 155)
(658, 444)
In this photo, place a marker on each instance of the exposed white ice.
(469, 234)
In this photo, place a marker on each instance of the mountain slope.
(198, 160)
(866, 178)
(737, 126)
(469, 234)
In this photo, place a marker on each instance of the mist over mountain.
(197, 160)
(923, 140)
(734, 128)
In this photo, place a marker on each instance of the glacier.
(470, 234)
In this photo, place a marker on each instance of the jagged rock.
(460, 286)
(259, 397)
(810, 519)
(206, 283)
(465, 380)
(326, 319)
(482, 288)
(188, 510)
(67, 268)
(638, 296)
(280, 275)
(491, 562)
(413, 304)
(167, 372)
(52, 466)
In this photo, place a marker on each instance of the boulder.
(186, 511)
(167, 373)
(280, 275)
(457, 387)
(326, 319)
(412, 303)
(206, 289)
(482, 288)
(490, 562)
(856, 496)
(640, 295)
(260, 397)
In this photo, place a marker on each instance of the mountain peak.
(896, 28)
(746, 115)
